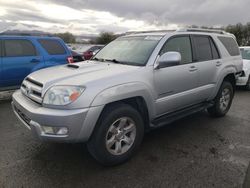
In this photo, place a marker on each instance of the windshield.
(245, 53)
(129, 50)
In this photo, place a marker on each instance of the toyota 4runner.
(136, 83)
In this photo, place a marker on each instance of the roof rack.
(217, 31)
(202, 30)
(150, 31)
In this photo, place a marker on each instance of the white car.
(244, 79)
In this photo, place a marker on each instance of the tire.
(111, 142)
(248, 84)
(222, 101)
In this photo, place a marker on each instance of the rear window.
(245, 53)
(231, 45)
(53, 47)
(18, 48)
(94, 48)
(203, 49)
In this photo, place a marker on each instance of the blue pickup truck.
(21, 55)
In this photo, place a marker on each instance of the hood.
(79, 73)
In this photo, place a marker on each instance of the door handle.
(35, 61)
(192, 68)
(218, 63)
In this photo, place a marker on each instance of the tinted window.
(245, 53)
(179, 44)
(94, 48)
(203, 49)
(53, 47)
(17, 48)
(231, 45)
(215, 52)
(1, 48)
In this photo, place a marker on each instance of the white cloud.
(52, 17)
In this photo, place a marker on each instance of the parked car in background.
(77, 57)
(244, 79)
(88, 54)
(21, 55)
(136, 83)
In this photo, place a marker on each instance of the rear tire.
(222, 101)
(117, 136)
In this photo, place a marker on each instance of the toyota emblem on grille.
(28, 90)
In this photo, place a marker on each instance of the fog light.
(62, 131)
(48, 130)
(55, 130)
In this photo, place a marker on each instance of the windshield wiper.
(114, 61)
(97, 59)
(110, 60)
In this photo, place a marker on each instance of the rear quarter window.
(231, 45)
(53, 47)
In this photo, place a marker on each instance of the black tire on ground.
(97, 143)
(216, 110)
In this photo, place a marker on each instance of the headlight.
(62, 95)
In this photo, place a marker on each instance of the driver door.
(176, 85)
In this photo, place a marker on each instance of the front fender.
(125, 91)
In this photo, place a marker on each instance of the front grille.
(22, 116)
(32, 89)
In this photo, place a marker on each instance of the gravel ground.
(197, 151)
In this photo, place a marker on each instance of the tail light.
(70, 60)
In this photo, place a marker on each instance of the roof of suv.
(184, 31)
(31, 37)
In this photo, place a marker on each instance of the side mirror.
(169, 59)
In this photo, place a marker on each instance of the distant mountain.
(79, 38)
(25, 32)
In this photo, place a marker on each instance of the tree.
(241, 32)
(66, 37)
(105, 38)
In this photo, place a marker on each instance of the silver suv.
(138, 82)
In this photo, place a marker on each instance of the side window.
(203, 49)
(215, 52)
(53, 47)
(231, 45)
(18, 48)
(181, 45)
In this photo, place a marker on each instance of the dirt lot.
(197, 151)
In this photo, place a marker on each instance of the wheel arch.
(137, 103)
(229, 76)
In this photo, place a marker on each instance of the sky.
(118, 16)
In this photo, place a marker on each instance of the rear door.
(55, 52)
(19, 59)
(208, 62)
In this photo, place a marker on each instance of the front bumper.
(242, 81)
(79, 122)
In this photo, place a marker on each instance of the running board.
(173, 116)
